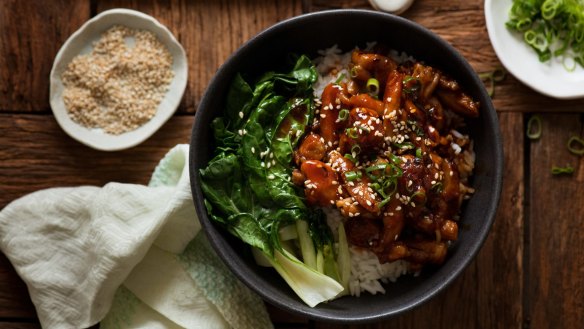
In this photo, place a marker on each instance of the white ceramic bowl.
(550, 78)
(81, 42)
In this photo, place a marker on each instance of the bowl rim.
(80, 39)
(488, 112)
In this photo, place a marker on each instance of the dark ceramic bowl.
(350, 28)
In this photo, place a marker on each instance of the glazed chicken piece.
(365, 65)
(365, 130)
(357, 188)
(321, 183)
(312, 147)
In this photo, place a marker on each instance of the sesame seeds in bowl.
(117, 80)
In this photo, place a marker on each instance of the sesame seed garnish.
(241, 114)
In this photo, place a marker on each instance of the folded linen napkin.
(127, 255)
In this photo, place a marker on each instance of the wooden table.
(529, 273)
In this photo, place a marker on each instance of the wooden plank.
(14, 299)
(489, 292)
(20, 325)
(31, 33)
(36, 154)
(210, 31)
(556, 239)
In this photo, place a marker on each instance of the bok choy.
(248, 189)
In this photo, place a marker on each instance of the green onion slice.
(492, 77)
(567, 170)
(350, 157)
(534, 127)
(352, 132)
(352, 175)
(356, 149)
(373, 86)
(339, 79)
(576, 145)
(343, 115)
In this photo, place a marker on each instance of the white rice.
(367, 273)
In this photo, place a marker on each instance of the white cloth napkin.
(127, 255)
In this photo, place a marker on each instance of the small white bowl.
(549, 78)
(81, 42)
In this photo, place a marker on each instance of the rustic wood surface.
(529, 273)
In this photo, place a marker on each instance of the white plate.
(550, 78)
(81, 42)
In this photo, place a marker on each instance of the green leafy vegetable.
(551, 27)
(247, 184)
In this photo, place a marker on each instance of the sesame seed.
(398, 208)
(241, 114)
(253, 150)
(368, 203)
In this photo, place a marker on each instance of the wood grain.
(36, 154)
(530, 271)
(31, 33)
(210, 31)
(14, 300)
(556, 238)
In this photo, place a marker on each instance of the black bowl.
(349, 28)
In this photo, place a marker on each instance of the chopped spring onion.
(551, 28)
(491, 78)
(418, 152)
(436, 187)
(352, 132)
(343, 115)
(534, 127)
(568, 170)
(373, 86)
(350, 157)
(405, 146)
(339, 79)
(420, 196)
(352, 175)
(411, 84)
(576, 145)
(364, 128)
(356, 149)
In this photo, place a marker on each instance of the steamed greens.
(248, 189)
(551, 28)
